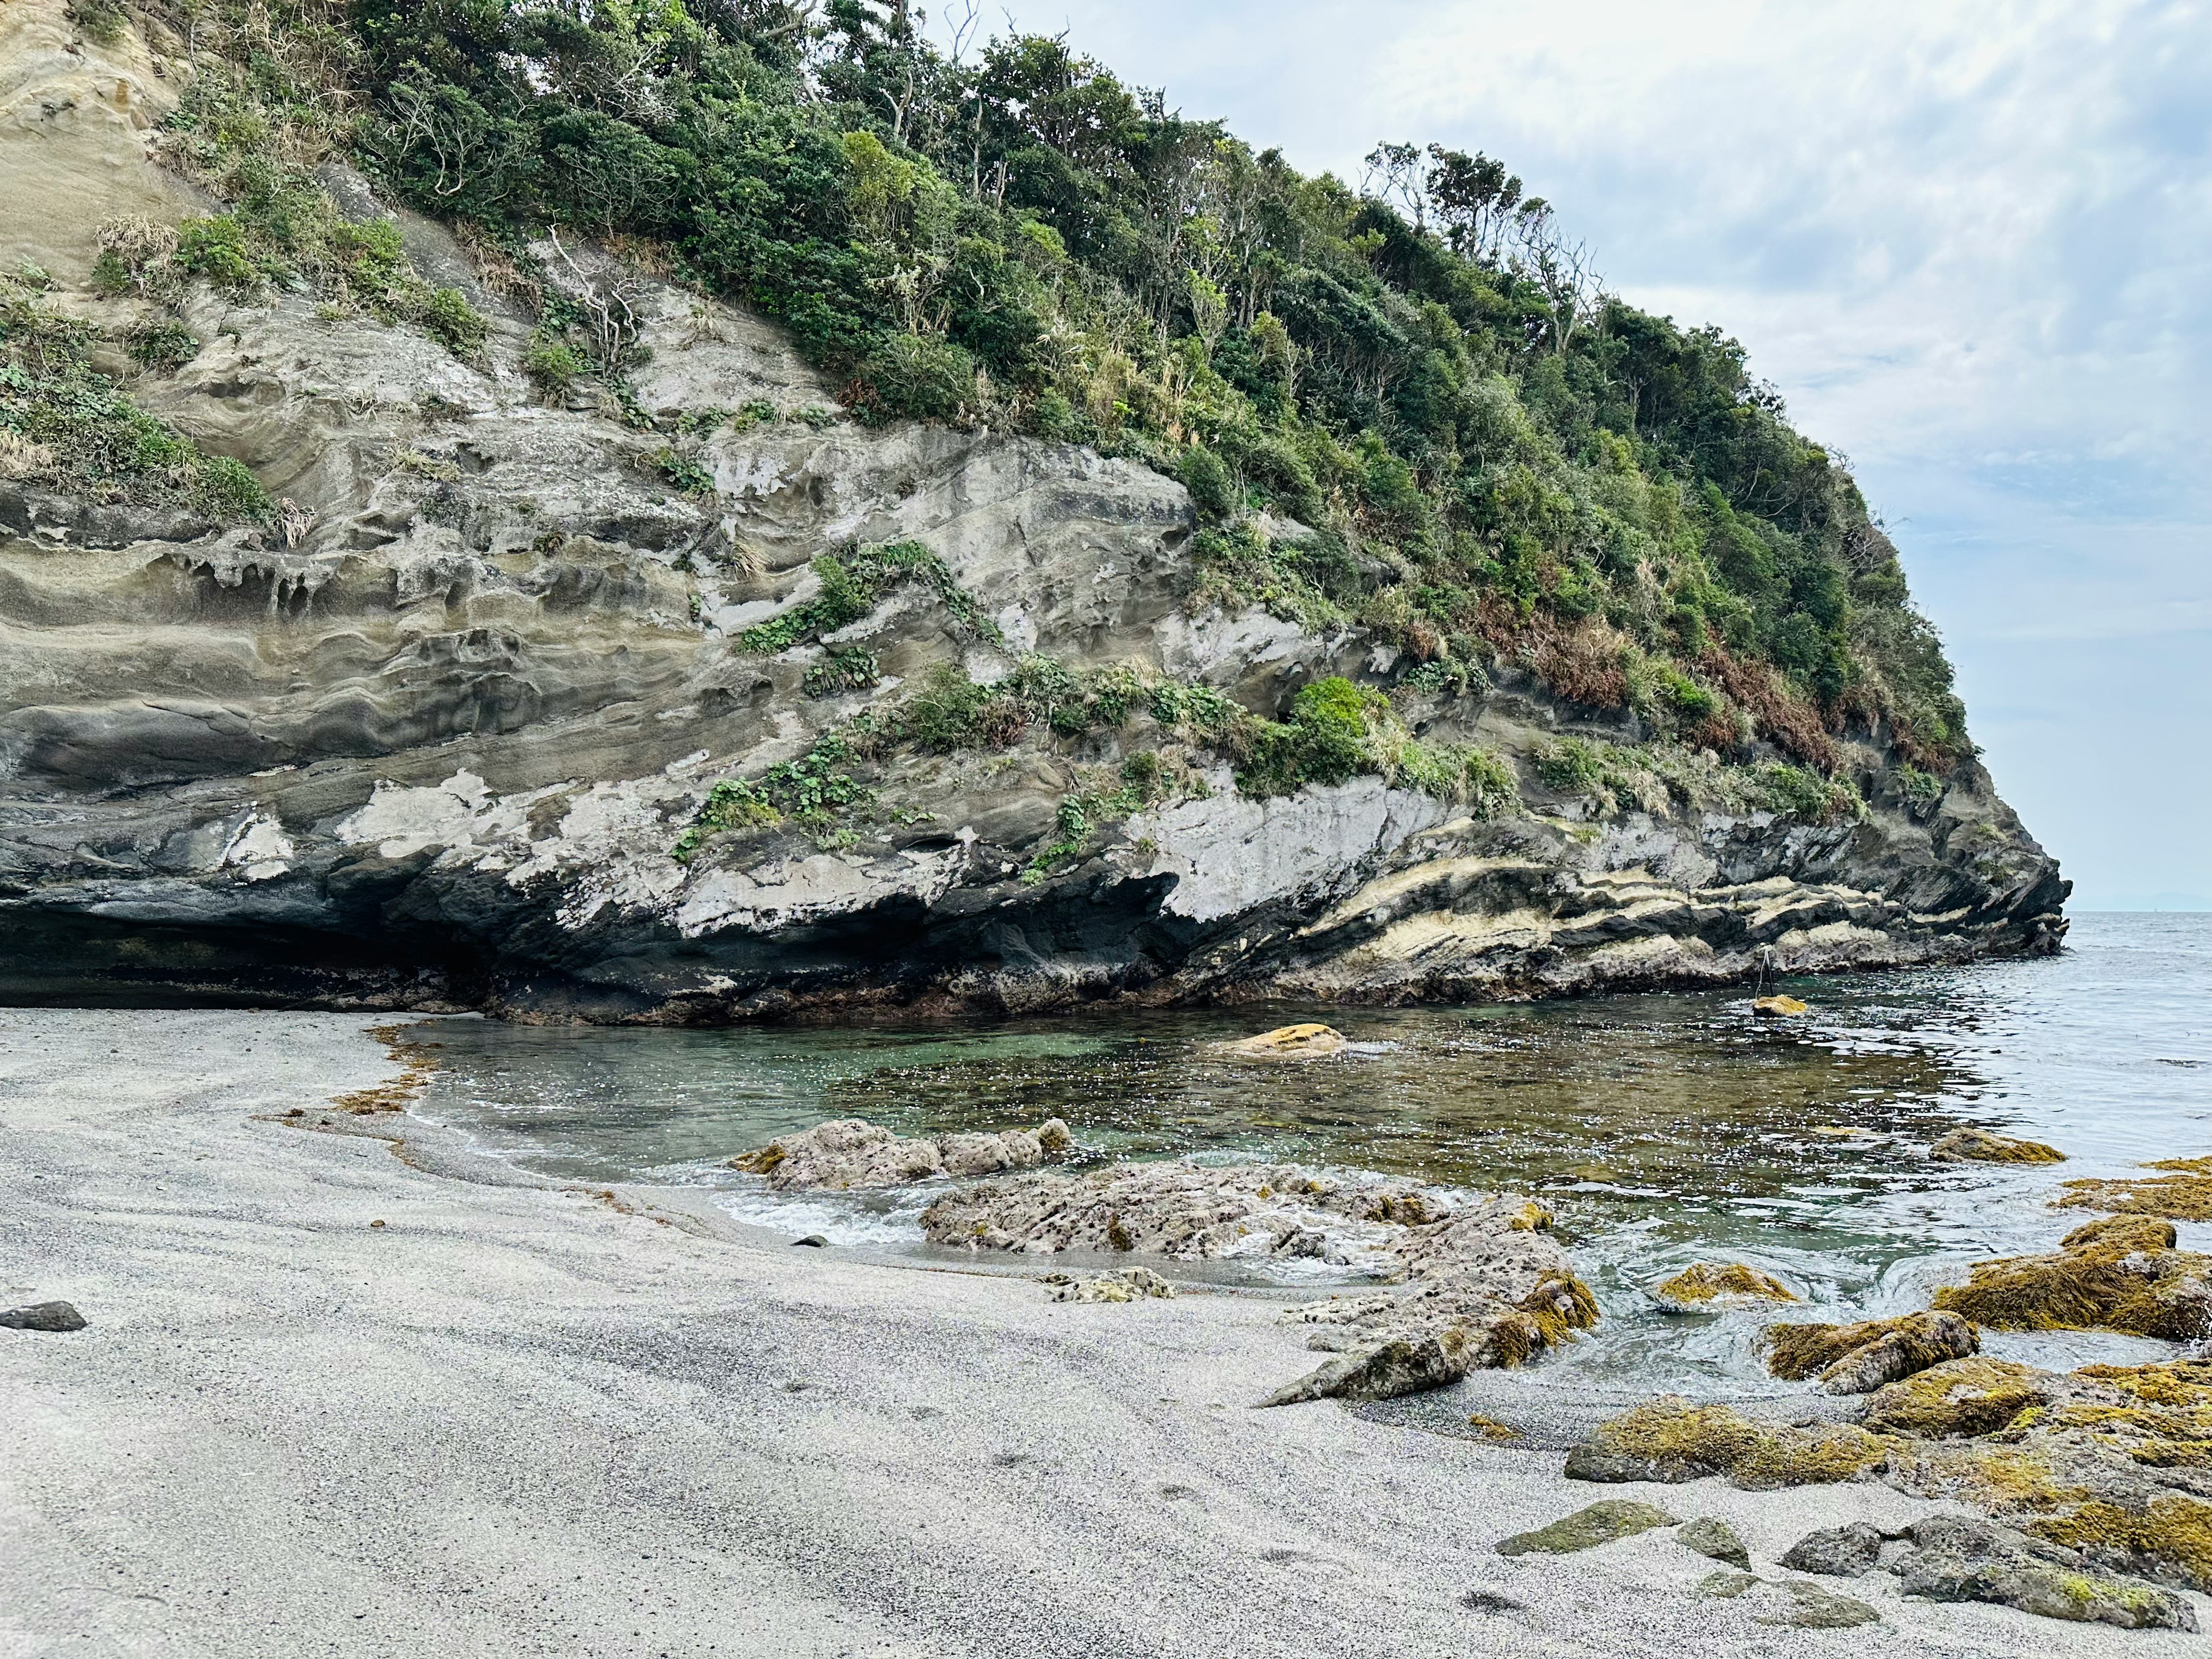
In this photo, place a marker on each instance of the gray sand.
(526, 1420)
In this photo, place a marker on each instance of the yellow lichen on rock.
(1669, 1439)
(1708, 1287)
(1308, 1042)
(2171, 1529)
(1957, 1399)
(1982, 1146)
(2121, 1274)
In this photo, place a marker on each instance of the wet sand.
(525, 1418)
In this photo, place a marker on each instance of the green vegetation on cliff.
(1494, 461)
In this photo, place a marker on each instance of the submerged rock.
(1716, 1540)
(43, 1316)
(1959, 1558)
(2183, 1194)
(1712, 1288)
(1846, 1552)
(2122, 1275)
(1860, 1358)
(1982, 1146)
(1288, 1042)
(848, 1153)
(1587, 1529)
(1128, 1285)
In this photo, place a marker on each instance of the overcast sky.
(1972, 243)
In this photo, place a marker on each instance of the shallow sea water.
(1663, 1129)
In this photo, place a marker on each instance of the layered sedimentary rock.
(431, 736)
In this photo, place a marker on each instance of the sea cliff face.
(444, 728)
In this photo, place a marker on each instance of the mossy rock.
(1671, 1440)
(1981, 1146)
(2172, 1531)
(2184, 1193)
(1861, 1357)
(1959, 1398)
(1716, 1540)
(1710, 1287)
(1586, 1529)
(2120, 1274)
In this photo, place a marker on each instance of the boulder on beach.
(1846, 1552)
(1127, 1284)
(1714, 1539)
(850, 1153)
(1962, 1558)
(1861, 1357)
(43, 1316)
(1714, 1287)
(1982, 1146)
(1586, 1529)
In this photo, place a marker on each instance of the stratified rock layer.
(431, 742)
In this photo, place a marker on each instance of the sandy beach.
(517, 1417)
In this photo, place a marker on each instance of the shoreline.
(522, 1417)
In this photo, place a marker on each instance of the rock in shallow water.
(2120, 1274)
(1710, 1287)
(1586, 1529)
(1845, 1552)
(1859, 1359)
(1981, 1146)
(848, 1153)
(1309, 1041)
(2183, 1193)
(43, 1316)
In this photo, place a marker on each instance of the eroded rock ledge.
(434, 741)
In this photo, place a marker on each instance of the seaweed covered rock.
(2183, 1193)
(1982, 1146)
(848, 1153)
(1671, 1440)
(1958, 1559)
(1586, 1529)
(1958, 1399)
(1710, 1287)
(1861, 1357)
(2122, 1275)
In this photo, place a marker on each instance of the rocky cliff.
(445, 727)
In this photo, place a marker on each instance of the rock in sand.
(43, 1316)
(1586, 1529)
